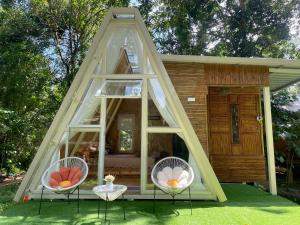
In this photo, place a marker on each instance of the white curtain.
(124, 37)
(89, 104)
(160, 101)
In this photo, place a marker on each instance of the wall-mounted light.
(191, 99)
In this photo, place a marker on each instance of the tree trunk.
(289, 175)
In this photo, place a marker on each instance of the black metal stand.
(70, 193)
(124, 206)
(106, 202)
(41, 200)
(173, 198)
(154, 199)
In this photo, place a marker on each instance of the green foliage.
(68, 28)
(286, 127)
(42, 44)
(26, 98)
(226, 28)
(282, 117)
(7, 192)
(251, 28)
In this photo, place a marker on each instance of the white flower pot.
(110, 186)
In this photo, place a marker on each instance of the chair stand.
(70, 193)
(173, 198)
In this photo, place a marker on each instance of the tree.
(253, 27)
(42, 44)
(180, 27)
(26, 97)
(245, 28)
(286, 127)
(69, 27)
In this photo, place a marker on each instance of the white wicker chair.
(69, 162)
(172, 169)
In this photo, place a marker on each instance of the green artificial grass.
(245, 205)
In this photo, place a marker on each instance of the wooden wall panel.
(236, 168)
(235, 162)
(188, 80)
(220, 74)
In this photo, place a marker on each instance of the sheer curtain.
(89, 104)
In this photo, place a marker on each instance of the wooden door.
(235, 145)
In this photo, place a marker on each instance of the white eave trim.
(271, 62)
(283, 72)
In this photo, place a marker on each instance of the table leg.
(106, 207)
(99, 206)
(123, 207)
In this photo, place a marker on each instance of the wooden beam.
(144, 138)
(102, 142)
(284, 71)
(269, 141)
(111, 102)
(163, 130)
(86, 128)
(113, 114)
(131, 76)
(81, 136)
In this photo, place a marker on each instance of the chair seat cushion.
(64, 173)
(53, 183)
(56, 176)
(65, 177)
(73, 171)
(65, 184)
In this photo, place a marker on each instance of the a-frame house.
(121, 114)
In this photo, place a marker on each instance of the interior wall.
(132, 107)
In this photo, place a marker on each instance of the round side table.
(108, 194)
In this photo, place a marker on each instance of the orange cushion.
(172, 183)
(73, 171)
(56, 176)
(75, 180)
(77, 175)
(65, 183)
(64, 173)
(53, 183)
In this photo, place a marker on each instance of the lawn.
(245, 205)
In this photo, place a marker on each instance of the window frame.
(231, 106)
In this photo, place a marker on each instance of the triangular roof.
(81, 82)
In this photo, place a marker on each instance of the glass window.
(85, 145)
(125, 124)
(88, 110)
(128, 88)
(235, 131)
(124, 40)
(159, 110)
